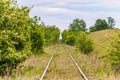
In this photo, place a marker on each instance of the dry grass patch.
(33, 67)
(95, 67)
(62, 68)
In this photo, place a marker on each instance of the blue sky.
(62, 12)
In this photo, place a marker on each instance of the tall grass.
(95, 67)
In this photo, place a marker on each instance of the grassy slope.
(102, 41)
(95, 67)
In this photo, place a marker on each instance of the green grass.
(102, 41)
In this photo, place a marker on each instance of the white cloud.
(62, 12)
(102, 3)
(55, 10)
(109, 3)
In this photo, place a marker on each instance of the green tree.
(111, 22)
(92, 29)
(15, 35)
(37, 41)
(78, 25)
(64, 35)
(52, 34)
(69, 37)
(37, 36)
(99, 25)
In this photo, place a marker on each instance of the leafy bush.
(84, 43)
(64, 35)
(52, 34)
(79, 39)
(115, 53)
(15, 42)
(37, 35)
(37, 41)
(70, 40)
(13, 50)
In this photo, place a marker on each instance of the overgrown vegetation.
(70, 40)
(14, 35)
(52, 34)
(114, 56)
(84, 42)
(21, 35)
(106, 48)
(76, 35)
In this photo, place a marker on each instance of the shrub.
(37, 41)
(115, 53)
(14, 35)
(70, 40)
(52, 34)
(84, 42)
(13, 50)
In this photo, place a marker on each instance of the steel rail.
(73, 60)
(46, 68)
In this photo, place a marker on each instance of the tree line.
(102, 24)
(21, 35)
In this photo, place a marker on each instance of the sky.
(62, 12)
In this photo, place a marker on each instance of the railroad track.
(79, 69)
(46, 68)
(72, 59)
